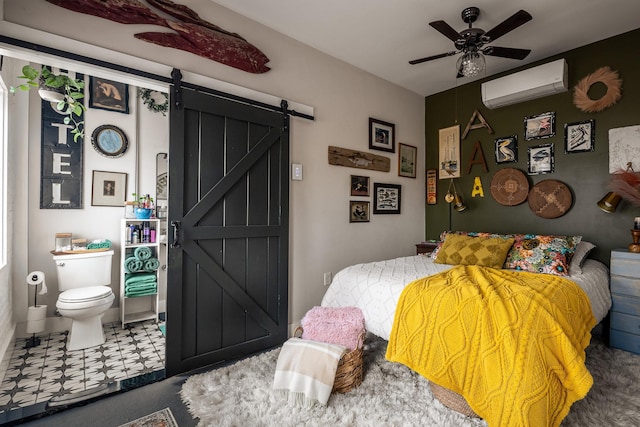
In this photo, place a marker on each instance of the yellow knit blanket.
(512, 343)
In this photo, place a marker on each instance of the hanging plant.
(149, 96)
(605, 76)
(65, 93)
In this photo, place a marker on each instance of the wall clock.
(109, 141)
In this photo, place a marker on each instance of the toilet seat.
(90, 296)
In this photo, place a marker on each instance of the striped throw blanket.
(306, 370)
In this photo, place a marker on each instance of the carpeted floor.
(393, 395)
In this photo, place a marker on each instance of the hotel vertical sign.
(61, 162)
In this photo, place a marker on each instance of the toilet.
(85, 295)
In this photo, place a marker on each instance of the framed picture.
(579, 136)
(540, 126)
(449, 152)
(407, 157)
(108, 188)
(507, 149)
(108, 95)
(432, 177)
(358, 211)
(382, 135)
(359, 185)
(386, 198)
(540, 159)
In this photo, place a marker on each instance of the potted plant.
(65, 92)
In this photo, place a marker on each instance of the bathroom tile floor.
(48, 371)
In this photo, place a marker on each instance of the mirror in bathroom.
(162, 184)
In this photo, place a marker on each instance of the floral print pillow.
(542, 254)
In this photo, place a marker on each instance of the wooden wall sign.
(477, 152)
(483, 124)
(358, 159)
(188, 32)
(61, 162)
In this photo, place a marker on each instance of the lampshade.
(470, 64)
(458, 203)
(610, 202)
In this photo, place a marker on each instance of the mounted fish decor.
(194, 34)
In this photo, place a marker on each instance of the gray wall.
(585, 173)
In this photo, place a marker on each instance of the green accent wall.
(585, 173)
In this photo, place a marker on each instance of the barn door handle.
(175, 228)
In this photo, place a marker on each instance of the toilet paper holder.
(37, 315)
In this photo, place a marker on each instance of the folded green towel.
(151, 264)
(140, 286)
(100, 244)
(140, 293)
(139, 277)
(142, 253)
(132, 264)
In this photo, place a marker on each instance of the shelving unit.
(145, 307)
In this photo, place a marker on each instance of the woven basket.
(349, 372)
(452, 400)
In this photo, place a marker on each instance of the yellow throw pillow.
(467, 250)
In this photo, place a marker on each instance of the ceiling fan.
(471, 42)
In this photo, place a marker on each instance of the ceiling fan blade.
(429, 58)
(446, 30)
(506, 52)
(511, 23)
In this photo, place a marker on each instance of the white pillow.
(581, 253)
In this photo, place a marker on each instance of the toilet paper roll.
(36, 278)
(36, 319)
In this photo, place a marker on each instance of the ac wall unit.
(536, 82)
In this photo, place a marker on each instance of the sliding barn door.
(228, 231)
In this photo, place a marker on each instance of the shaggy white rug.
(392, 395)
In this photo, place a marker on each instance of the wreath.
(605, 76)
(147, 98)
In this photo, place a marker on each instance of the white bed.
(375, 288)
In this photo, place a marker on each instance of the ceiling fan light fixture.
(470, 64)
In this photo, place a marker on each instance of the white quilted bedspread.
(375, 288)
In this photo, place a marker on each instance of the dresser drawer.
(625, 322)
(625, 341)
(625, 304)
(625, 264)
(625, 285)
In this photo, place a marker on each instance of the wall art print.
(579, 136)
(624, 147)
(386, 198)
(449, 152)
(540, 126)
(382, 135)
(358, 211)
(108, 95)
(541, 159)
(506, 149)
(407, 159)
(359, 185)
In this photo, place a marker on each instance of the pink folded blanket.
(334, 325)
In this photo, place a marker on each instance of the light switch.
(296, 172)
